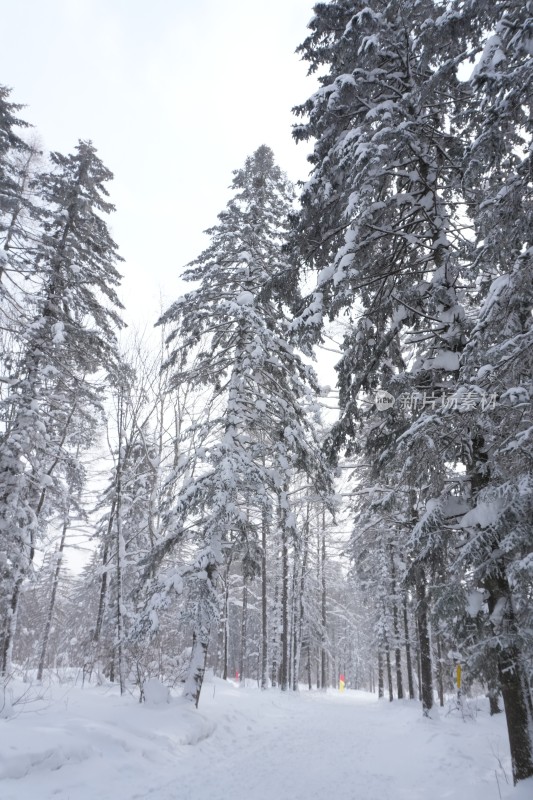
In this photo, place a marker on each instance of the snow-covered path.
(343, 747)
(250, 745)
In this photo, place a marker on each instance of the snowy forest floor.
(243, 744)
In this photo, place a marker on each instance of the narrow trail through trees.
(319, 746)
(248, 744)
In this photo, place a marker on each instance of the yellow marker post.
(458, 673)
(342, 683)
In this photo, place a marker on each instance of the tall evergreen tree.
(405, 152)
(262, 433)
(489, 426)
(71, 337)
(496, 366)
(379, 222)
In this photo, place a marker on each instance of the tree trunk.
(264, 602)
(88, 668)
(513, 677)
(396, 629)
(408, 661)
(494, 701)
(493, 689)
(208, 615)
(294, 634)
(52, 603)
(195, 676)
(292, 625)
(426, 673)
(417, 654)
(398, 658)
(323, 653)
(11, 627)
(275, 635)
(514, 683)
(440, 677)
(284, 676)
(301, 604)
(244, 625)
(120, 554)
(226, 622)
(389, 672)
(381, 687)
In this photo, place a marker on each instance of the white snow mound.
(155, 692)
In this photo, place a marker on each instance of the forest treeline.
(203, 474)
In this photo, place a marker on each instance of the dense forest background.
(234, 520)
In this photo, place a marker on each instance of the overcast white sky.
(175, 95)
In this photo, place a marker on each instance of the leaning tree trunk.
(52, 603)
(102, 596)
(196, 672)
(201, 635)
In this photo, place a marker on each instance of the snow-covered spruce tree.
(499, 544)
(380, 220)
(71, 337)
(498, 362)
(488, 427)
(263, 433)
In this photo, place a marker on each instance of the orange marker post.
(458, 675)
